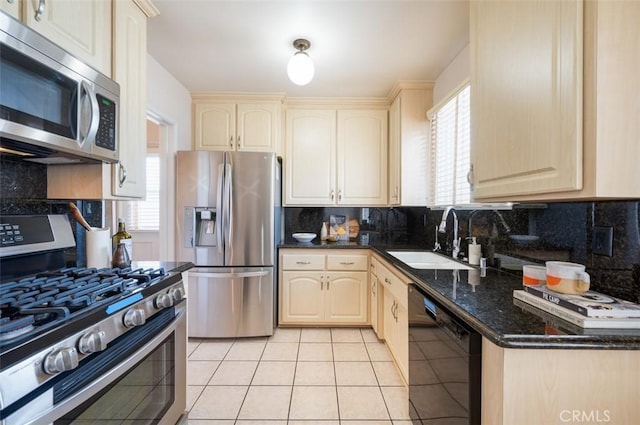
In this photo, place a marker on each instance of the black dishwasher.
(445, 361)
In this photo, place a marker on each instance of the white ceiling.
(359, 48)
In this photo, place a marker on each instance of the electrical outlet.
(603, 240)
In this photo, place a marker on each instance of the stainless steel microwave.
(54, 108)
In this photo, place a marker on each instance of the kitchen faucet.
(505, 226)
(455, 250)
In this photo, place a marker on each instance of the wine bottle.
(122, 236)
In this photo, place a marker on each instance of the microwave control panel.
(106, 136)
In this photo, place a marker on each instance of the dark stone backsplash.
(23, 191)
(564, 231)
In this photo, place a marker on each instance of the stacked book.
(588, 310)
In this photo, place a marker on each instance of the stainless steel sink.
(427, 260)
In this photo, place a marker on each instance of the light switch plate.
(603, 240)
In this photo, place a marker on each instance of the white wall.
(169, 102)
(169, 99)
(454, 74)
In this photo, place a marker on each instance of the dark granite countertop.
(489, 306)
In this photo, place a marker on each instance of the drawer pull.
(303, 263)
(347, 263)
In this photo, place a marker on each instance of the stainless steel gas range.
(82, 345)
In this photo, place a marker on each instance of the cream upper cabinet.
(526, 91)
(310, 167)
(336, 157)
(554, 100)
(12, 7)
(409, 177)
(323, 287)
(231, 126)
(362, 157)
(126, 179)
(83, 28)
(130, 71)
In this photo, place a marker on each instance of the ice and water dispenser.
(199, 227)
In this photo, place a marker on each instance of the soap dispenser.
(323, 232)
(475, 252)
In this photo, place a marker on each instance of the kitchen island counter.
(487, 305)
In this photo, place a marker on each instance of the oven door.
(140, 378)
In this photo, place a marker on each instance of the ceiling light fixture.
(300, 68)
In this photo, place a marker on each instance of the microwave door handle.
(219, 217)
(94, 120)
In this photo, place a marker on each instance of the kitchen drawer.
(393, 284)
(347, 262)
(303, 262)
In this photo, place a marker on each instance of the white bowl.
(304, 237)
(524, 239)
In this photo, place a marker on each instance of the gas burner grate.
(52, 297)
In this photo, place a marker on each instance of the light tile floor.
(295, 377)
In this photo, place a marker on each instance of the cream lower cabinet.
(543, 386)
(222, 124)
(336, 157)
(323, 288)
(395, 316)
(375, 299)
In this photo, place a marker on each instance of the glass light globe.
(300, 69)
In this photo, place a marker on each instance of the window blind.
(451, 151)
(145, 215)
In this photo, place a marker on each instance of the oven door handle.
(101, 383)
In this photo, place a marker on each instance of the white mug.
(567, 278)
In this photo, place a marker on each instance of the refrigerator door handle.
(229, 275)
(218, 210)
(228, 184)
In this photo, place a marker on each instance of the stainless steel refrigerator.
(228, 213)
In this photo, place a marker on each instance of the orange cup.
(533, 275)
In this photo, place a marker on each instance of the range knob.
(164, 301)
(60, 360)
(134, 317)
(92, 342)
(177, 294)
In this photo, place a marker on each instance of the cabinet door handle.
(332, 195)
(387, 281)
(347, 263)
(470, 177)
(340, 195)
(321, 283)
(373, 287)
(40, 10)
(238, 140)
(303, 263)
(231, 141)
(122, 174)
